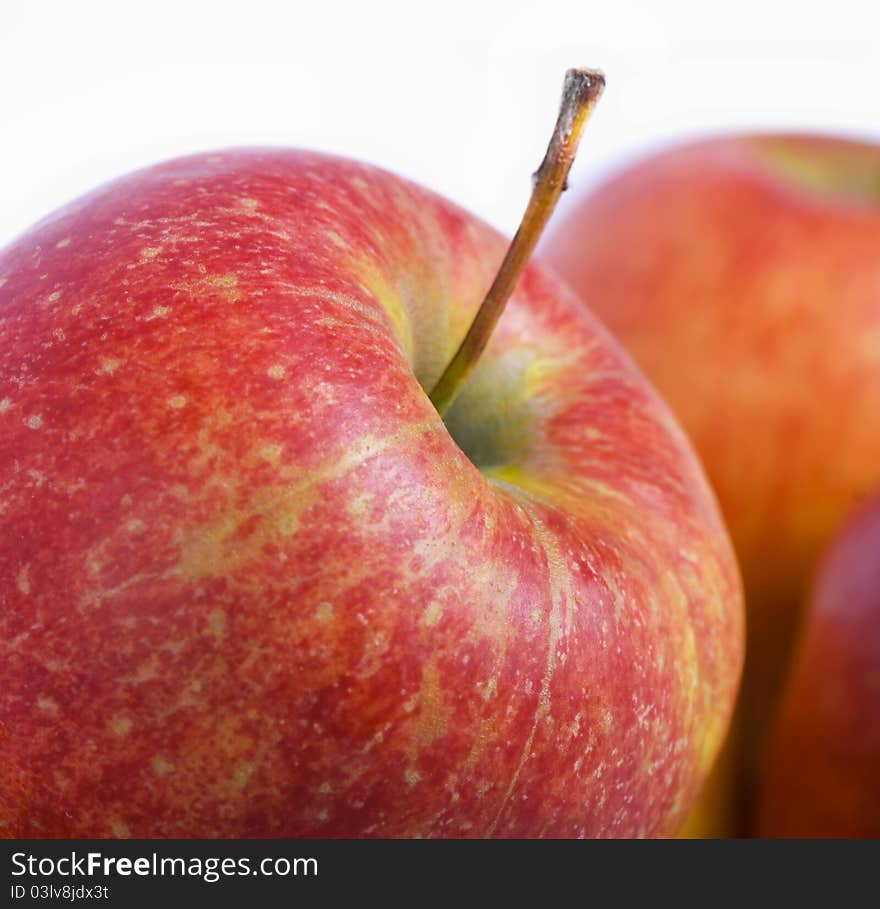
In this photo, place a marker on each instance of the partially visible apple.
(743, 275)
(251, 584)
(823, 771)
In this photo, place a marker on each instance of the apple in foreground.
(743, 275)
(823, 772)
(253, 584)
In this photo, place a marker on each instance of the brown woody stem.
(580, 93)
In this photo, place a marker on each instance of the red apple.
(743, 275)
(823, 772)
(253, 585)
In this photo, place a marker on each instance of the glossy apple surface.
(252, 585)
(742, 274)
(823, 771)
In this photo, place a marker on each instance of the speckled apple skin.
(822, 777)
(251, 586)
(743, 275)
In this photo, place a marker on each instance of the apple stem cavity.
(580, 92)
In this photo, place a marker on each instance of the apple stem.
(580, 93)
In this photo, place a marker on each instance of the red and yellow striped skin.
(742, 274)
(251, 586)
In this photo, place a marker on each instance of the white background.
(460, 96)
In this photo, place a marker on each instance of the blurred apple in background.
(823, 771)
(743, 274)
(254, 585)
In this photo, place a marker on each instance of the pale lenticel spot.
(177, 401)
(242, 775)
(275, 372)
(271, 453)
(216, 622)
(62, 243)
(35, 421)
(120, 725)
(109, 365)
(336, 240)
(432, 613)
(161, 767)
